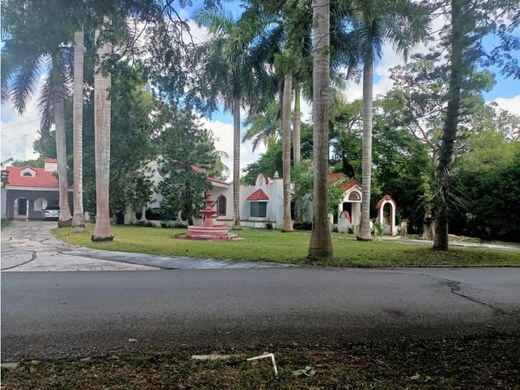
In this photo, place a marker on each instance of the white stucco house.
(261, 204)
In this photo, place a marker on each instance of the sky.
(18, 132)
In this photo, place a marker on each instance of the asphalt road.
(56, 314)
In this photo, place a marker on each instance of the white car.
(51, 213)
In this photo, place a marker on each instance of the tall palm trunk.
(78, 220)
(286, 152)
(297, 125)
(297, 143)
(320, 246)
(440, 241)
(236, 162)
(65, 218)
(364, 229)
(102, 110)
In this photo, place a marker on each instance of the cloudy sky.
(18, 132)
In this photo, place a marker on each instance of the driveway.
(30, 246)
(52, 314)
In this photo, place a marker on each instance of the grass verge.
(274, 246)
(475, 363)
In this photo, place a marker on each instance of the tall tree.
(65, 218)
(320, 246)
(286, 141)
(229, 75)
(187, 152)
(470, 21)
(297, 124)
(102, 111)
(401, 22)
(78, 220)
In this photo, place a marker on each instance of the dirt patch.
(489, 362)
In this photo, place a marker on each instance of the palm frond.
(46, 105)
(23, 82)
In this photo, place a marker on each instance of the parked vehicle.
(51, 213)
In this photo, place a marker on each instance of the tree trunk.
(449, 133)
(78, 219)
(297, 143)
(236, 162)
(65, 218)
(297, 126)
(286, 153)
(320, 246)
(102, 111)
(364, 228)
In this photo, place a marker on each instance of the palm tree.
(286, 152)
(320, 246)
(264, 126)
(78, 220)
(102, 110)
(297, 125)
(401, 22)
(228, 75)
(21, 68)
(58, 93)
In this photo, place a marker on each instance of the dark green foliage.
(489, 202)
(187, 150)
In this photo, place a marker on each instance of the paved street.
(48, 314)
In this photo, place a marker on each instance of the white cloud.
(223, 133)
(511, 104)
(18, 132)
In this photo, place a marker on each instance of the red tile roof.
(196, 169)
(349, 184)
(43, 178)
(334, 177)
(216, 180)
(258, 195)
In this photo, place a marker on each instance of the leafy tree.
(136, 117)
(187, 151)
(303, 179)
(470, 21)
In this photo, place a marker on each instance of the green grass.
(4, 222)
(280, 247)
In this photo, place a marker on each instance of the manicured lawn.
(280, 247)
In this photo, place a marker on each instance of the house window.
(259, 209)
(27, 172)
(221, 205)
(40, 204)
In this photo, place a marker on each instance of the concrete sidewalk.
(30, 246)
(463, 244)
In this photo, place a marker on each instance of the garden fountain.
(208, 230)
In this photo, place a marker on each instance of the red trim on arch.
(386, 198)
(258, 195)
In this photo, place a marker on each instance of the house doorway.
(22, 207)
